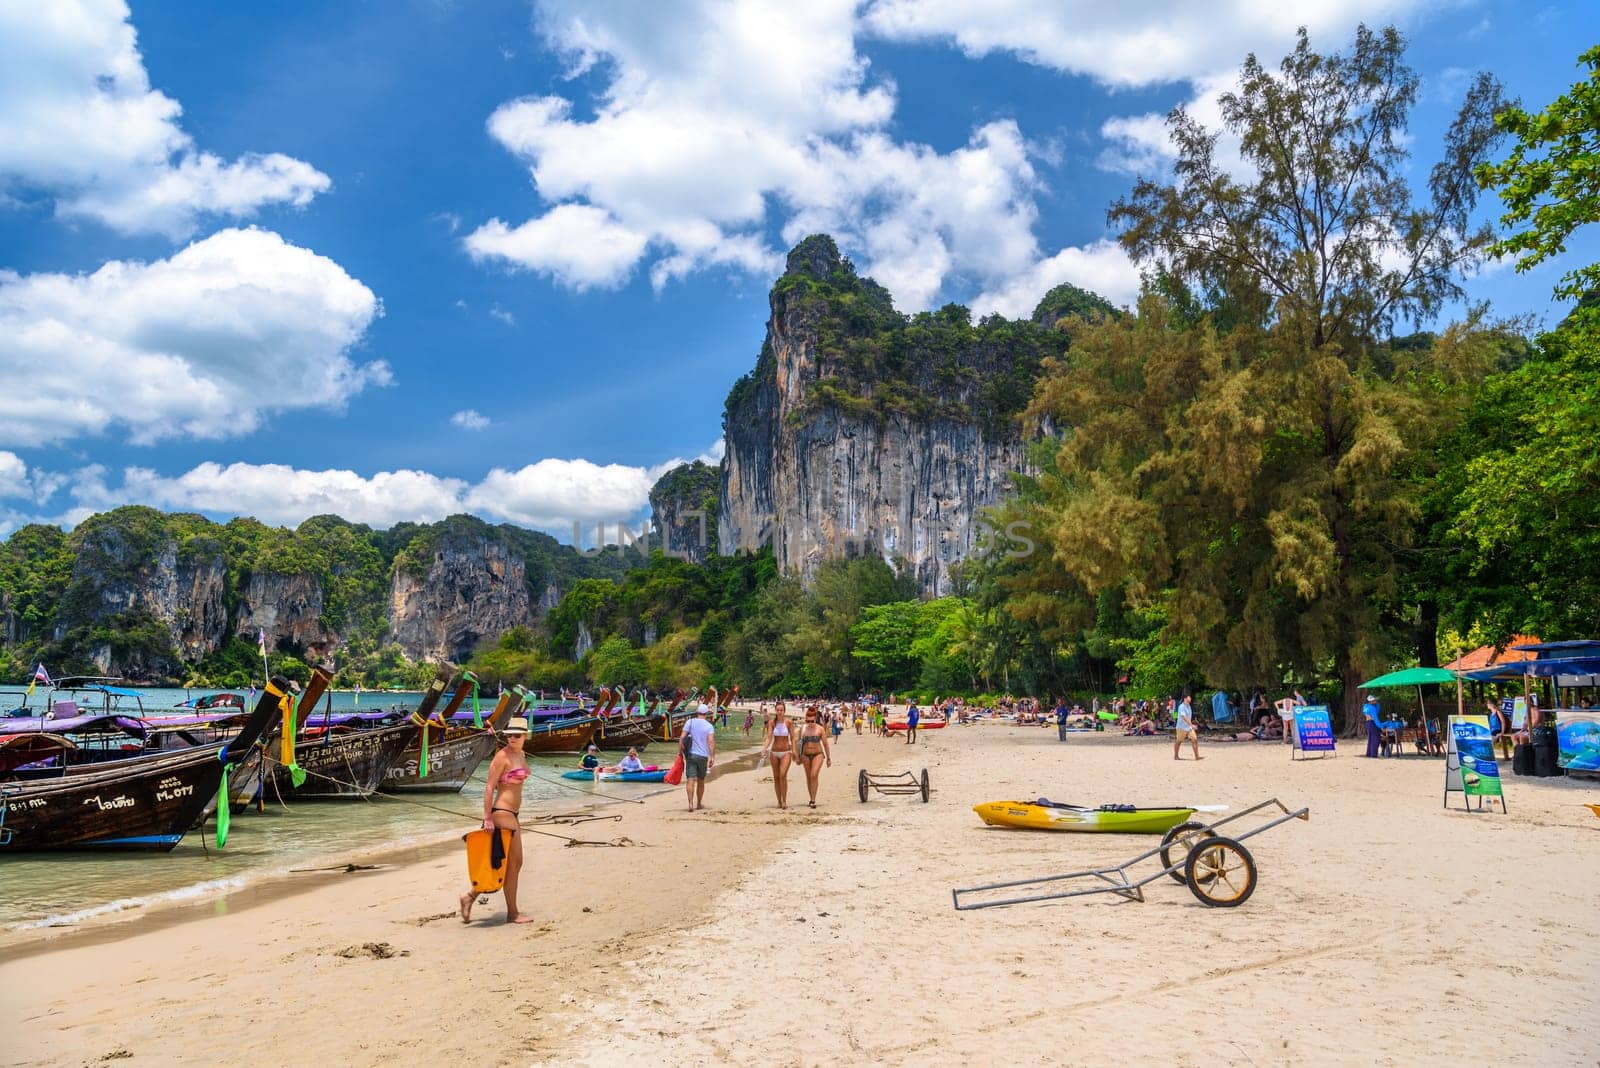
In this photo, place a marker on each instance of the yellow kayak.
(1043, 815)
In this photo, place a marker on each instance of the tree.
(1247, 473)
(617, 663)
(1550, 184)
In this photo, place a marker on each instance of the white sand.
(1385, 930)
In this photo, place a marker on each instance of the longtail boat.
(454, 749)
(146, 802)
(571, 735)
(335, 755)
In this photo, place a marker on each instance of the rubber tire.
(1166, 847)
(861, 786)
(924, 786)
(1232, 845)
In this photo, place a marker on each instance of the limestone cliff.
(683, 511)
(463, 586)
(863, 431)
(288, 609)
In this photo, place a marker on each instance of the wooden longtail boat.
(627, 732)
(454, 752)
(562, 736)
(337, 760)
(147, 802)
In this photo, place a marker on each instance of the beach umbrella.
(1418, 677)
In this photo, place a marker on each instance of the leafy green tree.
(1251, 479)
(616, 662)
(1550, 184)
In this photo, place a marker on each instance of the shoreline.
(1367, 912)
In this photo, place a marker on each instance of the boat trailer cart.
(904, 783)
(1216, 868)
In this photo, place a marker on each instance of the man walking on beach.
(1185, 729)
(699, 750)
(912, 717)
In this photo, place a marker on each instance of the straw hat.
(518, 725)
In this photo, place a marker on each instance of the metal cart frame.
(905, 782)
(1199, 843)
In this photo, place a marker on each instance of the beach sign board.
(1578, 736)
(1470, 767)
(1519, 713)
(1313, 729)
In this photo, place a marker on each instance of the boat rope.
(623, 841)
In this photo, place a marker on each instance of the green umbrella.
(1417, 676)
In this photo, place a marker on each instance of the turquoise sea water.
(45, 889)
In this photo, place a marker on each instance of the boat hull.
(451, 762)
(572, 738)
(631, 733)
(139, 804)
(342, 766)
(1027, 815)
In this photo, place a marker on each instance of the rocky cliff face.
(288, 609)
(684, 504)
(126, 586)
(470, 588)
(864, 432)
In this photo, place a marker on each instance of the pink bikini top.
(515, 775)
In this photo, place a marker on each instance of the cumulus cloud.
(470, 419)
(552, 494)
(201, 344)
(80, 123)
(717, 122)
(1124, 45)
(1102, 268)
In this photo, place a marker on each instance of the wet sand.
(1385, 930)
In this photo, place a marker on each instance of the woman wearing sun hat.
(502, 801)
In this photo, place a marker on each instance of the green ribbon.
(224, 809)
(477, 713)
(422, 763)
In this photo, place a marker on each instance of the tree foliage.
(1550, 184)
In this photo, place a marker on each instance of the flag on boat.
(261, 641)
(39, 675)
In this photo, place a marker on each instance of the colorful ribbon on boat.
(422, 760)
(286, 702)
(477, 714)
(224, 809)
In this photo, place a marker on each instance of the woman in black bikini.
(813, 751)
(502, 800)
(779, 748)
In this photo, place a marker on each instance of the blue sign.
(1313, 728)
(1480, 774)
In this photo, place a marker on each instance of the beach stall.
(1572, 741)
(1405, 678)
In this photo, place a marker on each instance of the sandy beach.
(1385, 930)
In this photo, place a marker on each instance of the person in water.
(813, 752)
(779, 747)
(502, 801)
(591, 759)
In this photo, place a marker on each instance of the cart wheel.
(1176, 845)
(1220, 872)
(924, 786)
(861, 786)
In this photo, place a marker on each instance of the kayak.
(923, 725)
(1043, 815)
(653, 775)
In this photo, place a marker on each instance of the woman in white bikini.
(779, 747)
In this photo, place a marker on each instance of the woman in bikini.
(779, 747)
(502, 800)
(813, 751)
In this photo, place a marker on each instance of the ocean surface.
(46, 889)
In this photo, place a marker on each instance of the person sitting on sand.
(779, 748)
(502, 802)
(813, 751)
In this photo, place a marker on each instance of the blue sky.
(397, 259)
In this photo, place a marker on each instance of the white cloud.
(718, 121)
(551, 494)
(1102, 268)
(201, 344)
(470, 419)
(14, 480)
(80, 122)
(499, 314)
(1125, 45)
